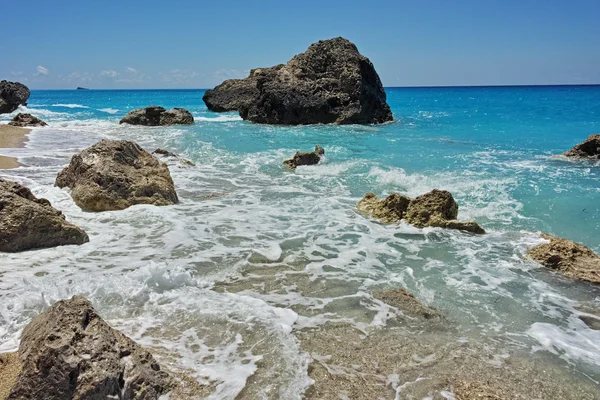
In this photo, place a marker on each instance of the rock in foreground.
(407, 303)
(305, 158)
(331, 83)
(116, 174)
(158, 116)
(590, 148)
(69, 352)
(26, 120)
(32, 223)
(436, 208)
(12, 95)
(567, 257)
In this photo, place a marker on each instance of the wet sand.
(11, 137)
(9, 370)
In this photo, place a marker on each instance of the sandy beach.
(11, 137)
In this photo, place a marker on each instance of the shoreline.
(11, 137)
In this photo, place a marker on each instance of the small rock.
(567, 257)
(590, 148)
(69, 352)
(12, 95)
(25, 120)
(116, 174)
(407, 303)
(165, 153)
(32, 223)
(158, 116)
(305, 158)
(389, 210)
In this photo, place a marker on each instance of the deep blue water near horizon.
(242, 213)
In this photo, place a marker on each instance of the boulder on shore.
(590, 148)
(568, 258)
(116, 174)
(69, 352)
(158, 116)
(25, 120)
(330, 83)
(32, 223)
(305, 158)
(436, 209)
(12, 95)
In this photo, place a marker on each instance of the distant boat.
(82, 88)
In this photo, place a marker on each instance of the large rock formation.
(331, 83)
(12, 95)
(158, 116)
(590, 148)
(26, 120)
(436, 208)
(568, 258)
(305, 158)
(116, 174)
(32, 223)
(69, 352)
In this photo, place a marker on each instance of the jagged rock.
(331, 83)
(567, 257)
(590, 148)
(69, 352)
(116, 174)
(436, 208)
(12, 95)
(25, 120)
(305, 158)
(158, 116)
(407, 303)
(31, 223)
(166, 153)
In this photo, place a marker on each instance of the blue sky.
(197, 44)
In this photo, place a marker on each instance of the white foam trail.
(220, 118)
(69, 105)
(109, 110)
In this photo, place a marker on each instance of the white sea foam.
(69, 105)
(220, 118)
(109, 110)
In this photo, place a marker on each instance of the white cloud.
(110, 73)
(132, 70)
(180, 76)
(42, 70)
(16, 73)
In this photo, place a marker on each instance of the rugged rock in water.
(305, 158)
(12, 95)
(436, 208)
(407, 303)
(567, 257)
(166, 153)
(331, 83)
(158, 116)
(116, 174)
(31, 223)
(69, 352)
(25, 120)
(590, 148)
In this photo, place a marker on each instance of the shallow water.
(227, 284)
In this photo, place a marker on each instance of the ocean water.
(221, 284)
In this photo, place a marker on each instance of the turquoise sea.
(255, 253)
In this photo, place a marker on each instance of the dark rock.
(69, 352)
(25, 120)
(31, 223)
(590, 148)
(166, 153)
(12, 95)
(82, 88)
(116, 174)
(568, 258)
(158, 116)
(331, 83)
(436, 208)
(305, 158)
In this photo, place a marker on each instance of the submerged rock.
(331, 83)
(567, 257)
(12, 95)
(116, 174)
(407, 303)
(167, 153)
(436, 209)
(69, 352)
(305, 158)
(158, 116)
(31, 223)
(25, 120)
(590, 148)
